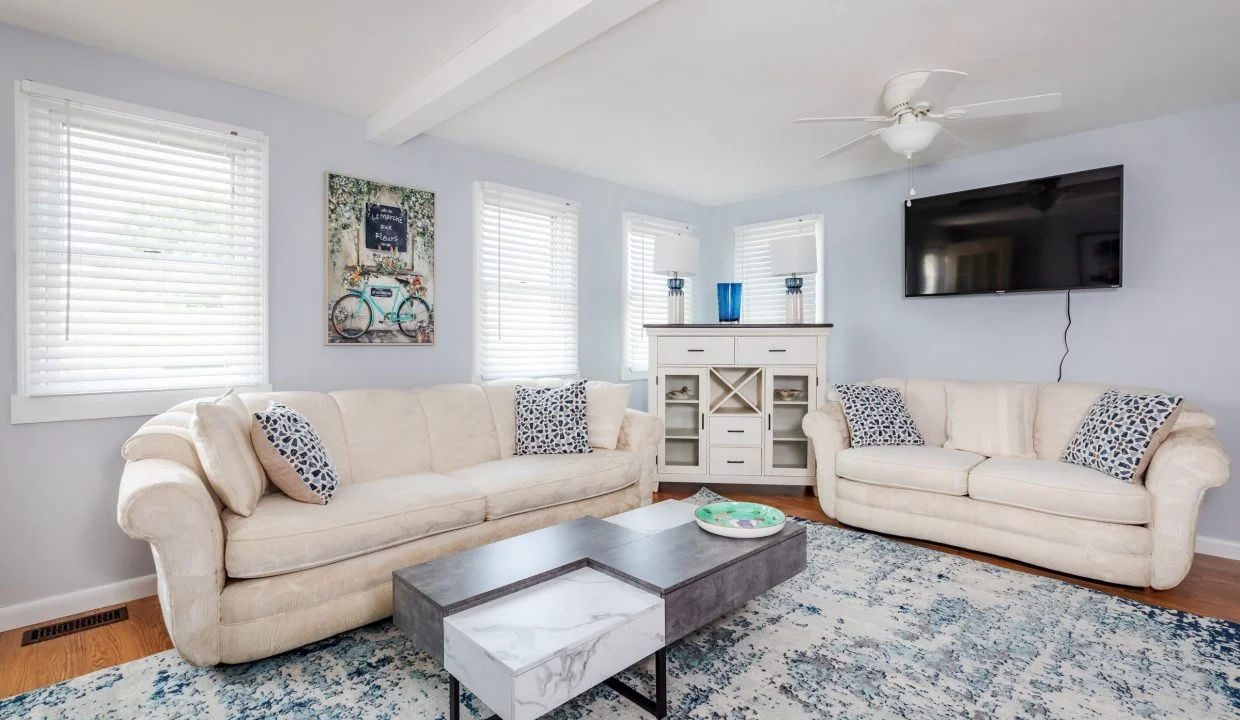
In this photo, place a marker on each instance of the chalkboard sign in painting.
(380, 263)
(387, 228)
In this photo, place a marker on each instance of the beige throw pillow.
(605, 406)
(991, 419)
(221, 432)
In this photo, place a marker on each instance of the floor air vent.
(68, 627)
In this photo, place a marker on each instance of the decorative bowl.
(740, 519)
(788, 394)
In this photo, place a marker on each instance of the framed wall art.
(380, 263)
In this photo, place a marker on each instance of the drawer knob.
(736, 462)
(736, 431)
(696, 350)
(777, 350)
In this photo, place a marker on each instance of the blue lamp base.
(794, 307)
(675, 301)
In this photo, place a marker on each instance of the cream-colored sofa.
(423, 472)
(1039, 511)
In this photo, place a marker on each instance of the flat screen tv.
(1056, 233)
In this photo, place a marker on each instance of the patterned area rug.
(872, 629)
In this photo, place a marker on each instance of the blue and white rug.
(872, 629)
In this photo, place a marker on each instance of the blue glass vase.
(729, 302)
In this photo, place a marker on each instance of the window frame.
(820, 295)
(479, 196)
(626, 221)
(26, 408)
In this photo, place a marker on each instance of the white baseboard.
(57, 606)
(1229, 549)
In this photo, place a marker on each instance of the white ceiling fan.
(915, 106)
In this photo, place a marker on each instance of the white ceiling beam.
(537, 34)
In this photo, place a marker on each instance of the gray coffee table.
(530, 622)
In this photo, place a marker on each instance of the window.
(527, 283)
(645, 294)
(141, 251)
(762, 296)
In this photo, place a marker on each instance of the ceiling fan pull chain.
(911, 191)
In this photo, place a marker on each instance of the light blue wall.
(1173, 325)
(58, 529)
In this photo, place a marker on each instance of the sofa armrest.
(828, 434)
(1187, 464)
(640, 434)
(166, 504)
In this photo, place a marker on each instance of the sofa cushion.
(284, 535)
(530, 482)
(993, 419)
(1058, 488)
(909, 466)
(460, 425)
(387, 433)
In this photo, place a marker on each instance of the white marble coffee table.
(526, 653)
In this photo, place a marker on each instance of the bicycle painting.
(380, 263)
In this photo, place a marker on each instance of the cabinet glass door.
(791, 393)
(682, 397)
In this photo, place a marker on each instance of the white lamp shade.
(794, 255)
(676, 254)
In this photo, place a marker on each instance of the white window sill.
(25, 409)
(627, 375)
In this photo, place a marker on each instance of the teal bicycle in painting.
(353, 314)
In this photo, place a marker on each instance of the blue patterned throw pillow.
(292, 454)
(1121, 433)
(552, 421)
(877, 415)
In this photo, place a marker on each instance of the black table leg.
(660, 683)
(454, 700)
(656, 707)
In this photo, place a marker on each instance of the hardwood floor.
(1212, 588)
(51, 661)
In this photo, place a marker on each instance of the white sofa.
(1039, 511)
(423, 472)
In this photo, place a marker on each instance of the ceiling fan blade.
(938, 85)
(1011, 106)
(855, 141)
(859, 118)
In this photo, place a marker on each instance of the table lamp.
(793, 257)
(677, 257)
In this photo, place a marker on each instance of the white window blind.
(527, 283)
(141, 249)
(762, 296)
(645, 296)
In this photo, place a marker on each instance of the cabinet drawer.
(735, 461)
(697, 350)
(777, 351)
(735, 430)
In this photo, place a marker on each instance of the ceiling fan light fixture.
(910, 137)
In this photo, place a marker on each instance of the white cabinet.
(732, 398)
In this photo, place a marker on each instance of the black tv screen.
(1055, 233)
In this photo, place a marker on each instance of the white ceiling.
(694, 98)
(346, 55)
